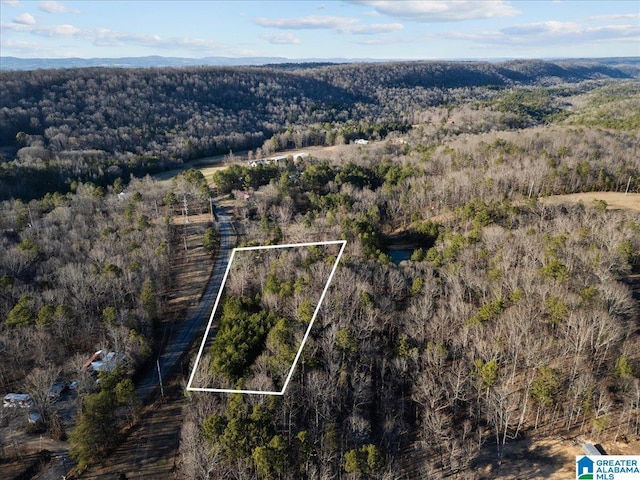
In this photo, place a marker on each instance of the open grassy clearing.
(615, 200)
(549, 457)
(209, 165)
(200, 164)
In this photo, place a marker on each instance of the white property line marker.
(306, 335)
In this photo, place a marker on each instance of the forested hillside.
(512, 320)
(97, 124)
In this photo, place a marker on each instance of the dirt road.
(180, 341)
(150, 450)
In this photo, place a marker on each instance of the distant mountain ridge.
(98, 123)
(627, 64)
(15, 63)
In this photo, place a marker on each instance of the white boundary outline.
(306, 335)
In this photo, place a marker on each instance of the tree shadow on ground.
(522, 459)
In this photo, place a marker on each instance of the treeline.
(97, 124)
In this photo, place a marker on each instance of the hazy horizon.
(357, 29)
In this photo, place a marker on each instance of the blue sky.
(321, 29)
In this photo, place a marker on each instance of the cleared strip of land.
(209, 165)
(615, 200)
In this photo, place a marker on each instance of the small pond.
(401, 255)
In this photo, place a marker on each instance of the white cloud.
(25, 19)
(549, 27)
(42, 30)
(103, 37)
(309, 22)
(337, 24)
(554, 32)
(441, 10)
(20, 45)
(384, 41)
(10, 3)
(51, 6)
(281, 39)
(33, 49)
(242, 52)
(615, 17)
(376, 28)
(57, 30)
(189, 43)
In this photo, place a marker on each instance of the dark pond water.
(398, 256)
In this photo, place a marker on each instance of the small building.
(35, 418)
(56, 389)
(19, 400)
(102, 361)
(361, 141)
(590, 449)
(259, 161)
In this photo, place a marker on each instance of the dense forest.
(98, 124)
(82, 272)
(268, 305)
(513, 317)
